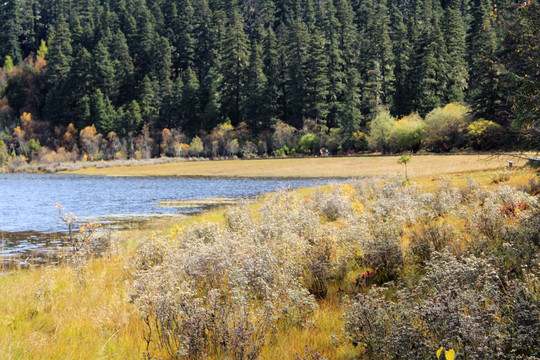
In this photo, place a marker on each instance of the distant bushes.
(413, 271)
(446, 127)
(443, 129)
(485, 135)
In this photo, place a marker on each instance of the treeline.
(130, 69)
(443, 130)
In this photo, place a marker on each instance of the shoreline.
(118, 166)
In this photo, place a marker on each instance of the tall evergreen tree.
(317, 81)
(102, 112)
(333, 86)
(402, 100)
(271, 67)
(59, 54)
(256, 84)
(10, 30)
(377, 57)
(484, 73)
(297, 72)
(103, 71)
(123, 68)
(59, 58)
(171, 109)
(431, 70)
(191, 106)
(454, 30)
(234, 64)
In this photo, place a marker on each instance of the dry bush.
(460, 304)
(429, 238)
(333, 204)
(223, 289)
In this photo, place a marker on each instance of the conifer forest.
(136, 78)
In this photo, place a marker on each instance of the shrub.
(334, 140)
(485, 135)
(309, 143)
(460, 269)
(3, 153)
(430, 238)
(380, 131)
(333, 205)
(383, 252)
(533, 187)
(196, 147)
(446, 127)
(461, 304)
(408, 134)
(284, 135)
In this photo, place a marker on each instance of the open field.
(421, 165)
(50, 313)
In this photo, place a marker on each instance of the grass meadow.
(377, 269)
(421, 165)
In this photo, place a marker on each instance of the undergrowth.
(411, 272)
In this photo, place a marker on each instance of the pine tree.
(297, 77)
(171, 109)
(234, 64)
(377, 58)
(148, 100)
(131, 121)
(317, 81)
(432, 71)
(59, 58)
(103, 71)
(526, 67)
(210, 114)
(102, 112)
(256, 84)
(484, 73)
(28, 39)
(351, 120)
(454, 30)
(77, 90)
(334, 84)
(206, 39)
(10, 30)
(272, 71)
(59, 54)
(190, 103)
(402, 49)
(186, 41)
(123, 69)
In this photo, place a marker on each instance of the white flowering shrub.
(452, 268)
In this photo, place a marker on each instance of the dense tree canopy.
(191, 65)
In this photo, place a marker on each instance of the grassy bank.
(299, 254)
(312, 167)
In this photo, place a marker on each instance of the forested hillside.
(193, 76)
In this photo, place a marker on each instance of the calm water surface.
(27, 201)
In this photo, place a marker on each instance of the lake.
(28, 201)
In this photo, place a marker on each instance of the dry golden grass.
(421, 165)
(46, 314)
(323, 336)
